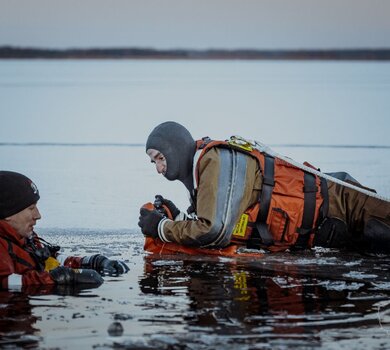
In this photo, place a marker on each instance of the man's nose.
(159, 168)
(37, 214)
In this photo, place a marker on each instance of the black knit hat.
(17, 192)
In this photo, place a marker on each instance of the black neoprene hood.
(175, 142)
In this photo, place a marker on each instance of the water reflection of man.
(226, 296)
(25, 258)
(16, 317)
(236, 299)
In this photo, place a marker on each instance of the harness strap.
(16, 258)
(261, 233)
(309, 206)
(267, 188)
(204, 142)
(325, 203)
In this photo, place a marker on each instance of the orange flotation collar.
(156, 246)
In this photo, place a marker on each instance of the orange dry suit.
(26, 261)
(246, 196)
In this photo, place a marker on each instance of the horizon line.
(178, 48)
(124, 144)
(350, 54)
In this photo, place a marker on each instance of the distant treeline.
(8, 52)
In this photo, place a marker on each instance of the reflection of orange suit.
(213, 296)
(285, 301)
(224, 294)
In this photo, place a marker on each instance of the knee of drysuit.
(332, 233)
(376, 236)
(343, 176)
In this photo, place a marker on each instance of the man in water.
(241, 193)
(25, 258)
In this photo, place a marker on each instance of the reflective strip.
(160, 230)
(182, 216)
(61, 258)
(231, 177)
(234, 196)
(15, 282)
(195, 168)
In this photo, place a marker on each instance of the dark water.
(320, 298)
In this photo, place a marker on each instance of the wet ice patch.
(286, 282)
(107, 251)
(167, 263)
(357, 274)
(323, 250)
(163, 339)
(382, 304)
(353, 263)
(381, 285)
(243, 250)
(154, 341)
(316, 261)
(18, 340)
(341, 285)
(224, 259)
(347, 305)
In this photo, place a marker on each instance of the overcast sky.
(200, 24)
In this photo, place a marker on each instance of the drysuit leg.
(364, 215)
(376, 237)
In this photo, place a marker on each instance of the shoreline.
(357, 54)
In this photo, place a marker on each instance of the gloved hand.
(171, 207)
(67, 275)
(71, 289)
(148, 221)
(104, 266)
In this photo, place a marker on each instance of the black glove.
(104, 266)
(171, 207)
(71, 289)
(148, 221)
(66, 275)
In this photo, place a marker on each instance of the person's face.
(158, 158)
(24, 221)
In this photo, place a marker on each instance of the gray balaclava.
(175, 142)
